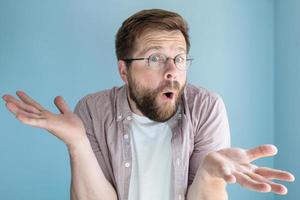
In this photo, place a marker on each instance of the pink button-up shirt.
(200, 126)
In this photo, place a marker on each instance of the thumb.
(261, 151)
(61, 104)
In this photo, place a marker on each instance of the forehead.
(168, 40)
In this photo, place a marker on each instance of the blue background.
(245, 50)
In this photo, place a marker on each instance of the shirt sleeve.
(212, 132)
(84, 112)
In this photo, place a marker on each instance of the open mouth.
(169, 95)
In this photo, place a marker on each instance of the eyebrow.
(158, 48)
(150, 48)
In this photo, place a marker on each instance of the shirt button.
(128, 118)
(120, 116)
(178, 161)
(127, 164)
(179, 197)
(126, 136)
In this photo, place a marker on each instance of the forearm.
(88, 181)
(206, 188)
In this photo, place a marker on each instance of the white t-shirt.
(152, 171)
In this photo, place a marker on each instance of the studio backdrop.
(245, 50)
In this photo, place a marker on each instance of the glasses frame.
(167, 58)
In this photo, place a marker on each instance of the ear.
(123, 70)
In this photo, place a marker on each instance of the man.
(156, 137)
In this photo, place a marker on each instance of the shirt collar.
(123, 109)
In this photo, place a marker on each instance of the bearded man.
(157, 137)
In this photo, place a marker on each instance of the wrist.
(207, 187)
(77, 146)
(210, 168)
(205, 178)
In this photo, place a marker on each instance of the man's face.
(156, 93)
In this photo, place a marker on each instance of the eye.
(156, 58)
(180, 59)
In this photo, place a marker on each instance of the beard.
(146, 99)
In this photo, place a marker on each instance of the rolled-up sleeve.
(84, 112)
(211, 133)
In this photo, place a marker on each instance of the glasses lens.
(157, 60)
(182, 61)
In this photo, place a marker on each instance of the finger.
(261, 151)
(20, 104)
(251, 184)
(218, 166)
(270, 173)
(39, 123)
(26, 99)
(227, 175)
(61, 104)
(16, 110)
(275, 187)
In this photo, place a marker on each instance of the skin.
(232, 165)
(167, 43)
(88, 181)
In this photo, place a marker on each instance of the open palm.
(234, 165)
(66, 125)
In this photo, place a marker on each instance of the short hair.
(145, 20)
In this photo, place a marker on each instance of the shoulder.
(207, 114)
(98, 101)
(199, 96)
(101, 95)
(202, 105)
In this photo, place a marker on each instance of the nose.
(170, 70)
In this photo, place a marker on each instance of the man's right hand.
(88, 180)
(66, 126)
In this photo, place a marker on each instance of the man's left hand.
(234, 165)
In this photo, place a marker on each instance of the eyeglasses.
(159, 61)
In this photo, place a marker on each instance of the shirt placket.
(127, 155)
(177, 159)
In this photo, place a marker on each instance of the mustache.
(169, 85)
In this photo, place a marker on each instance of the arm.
(234, 165)
(213, 164)
(212, 134)
(88, 181)
(205, 187)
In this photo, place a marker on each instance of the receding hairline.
(150, 45)
(153, 19)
